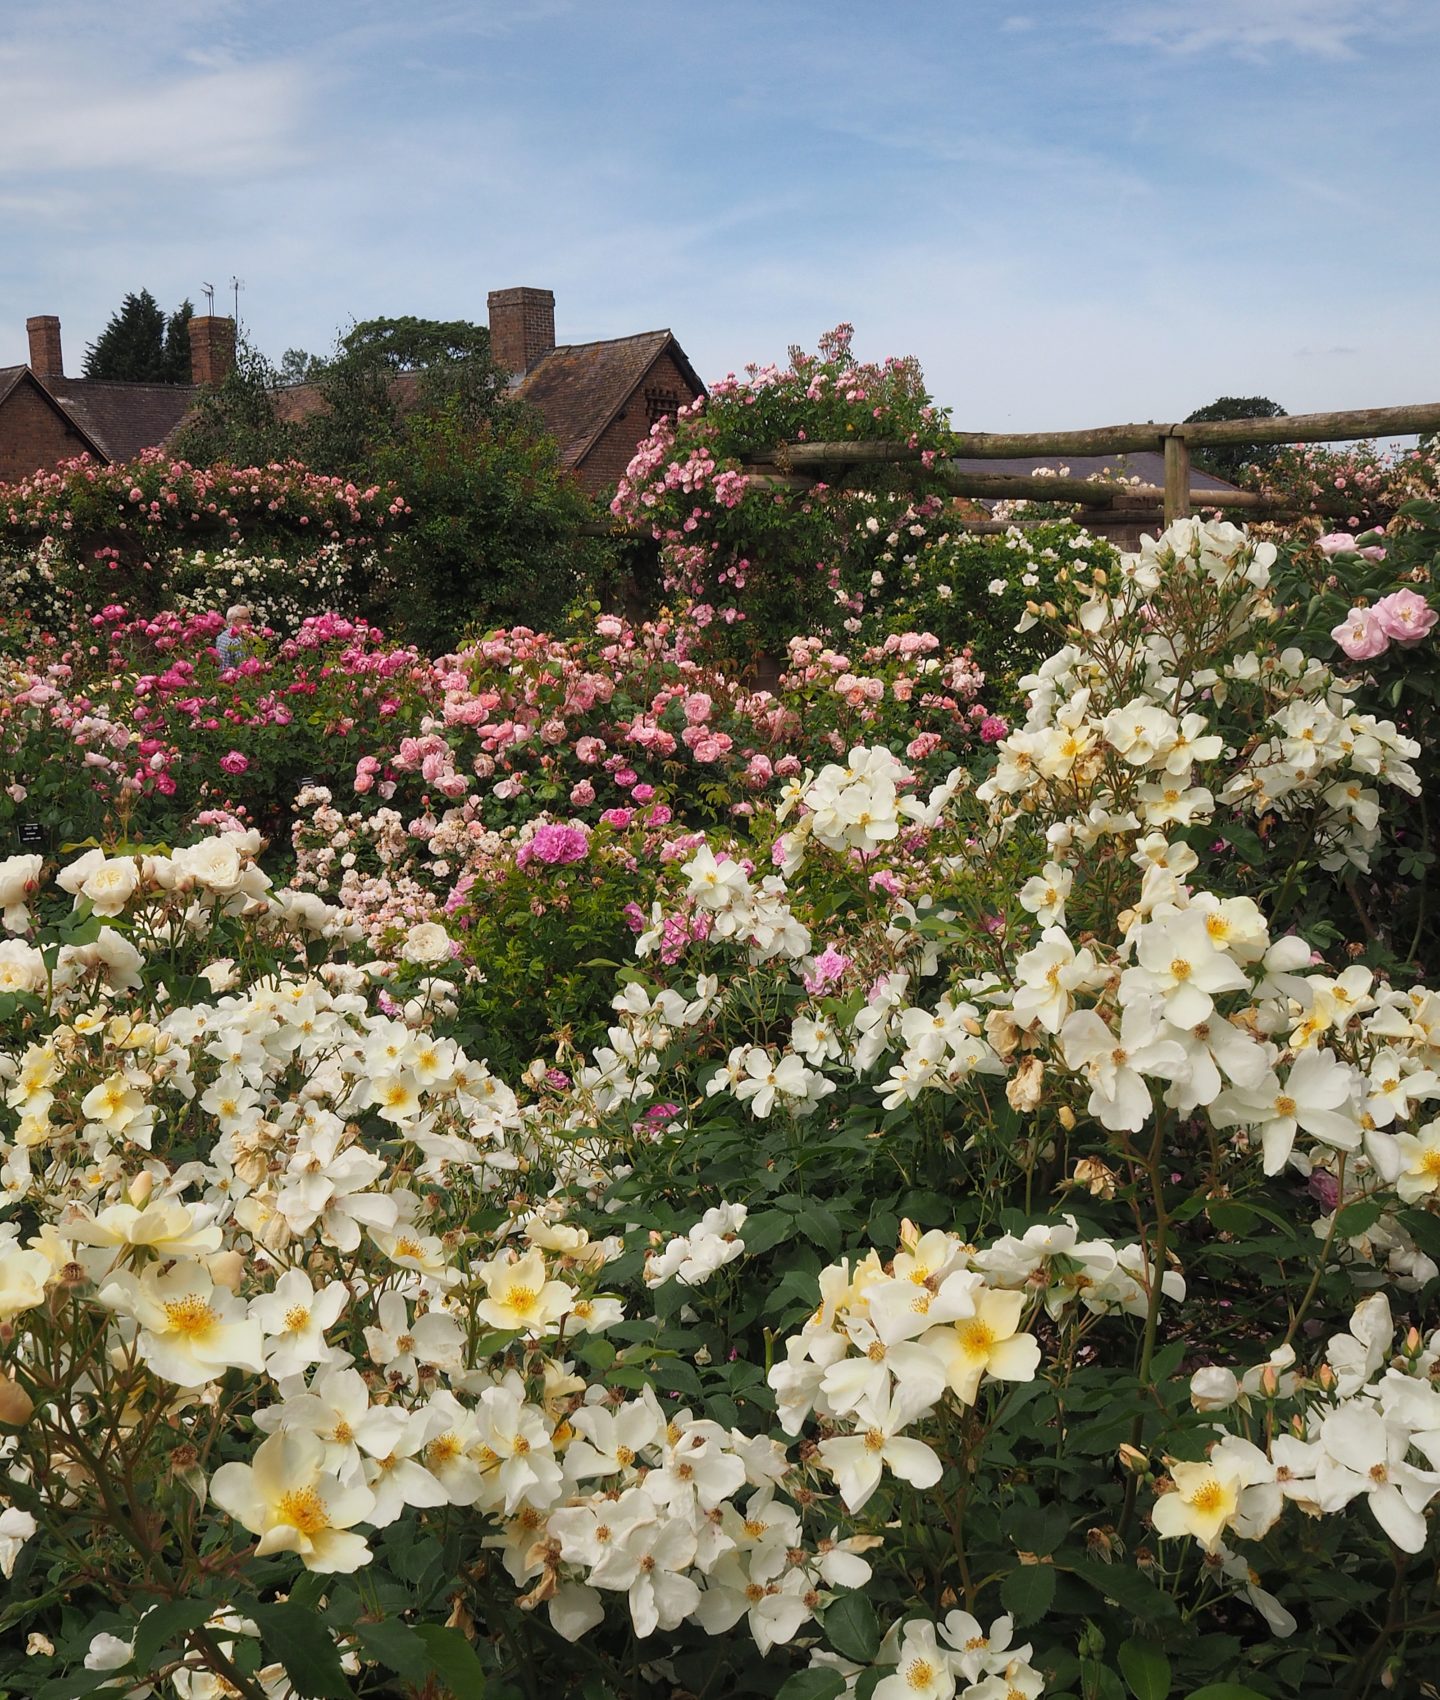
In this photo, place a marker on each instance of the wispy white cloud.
(1328, 29)
(243, 119)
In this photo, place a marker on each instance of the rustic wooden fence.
(799, 465)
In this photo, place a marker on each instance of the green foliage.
(238, 420)
(141, 346)
(1226, 461)
(494, 531)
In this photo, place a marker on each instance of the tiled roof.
(298, 402)
(578, 388)
(122, 419)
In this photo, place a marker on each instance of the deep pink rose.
(234, 762)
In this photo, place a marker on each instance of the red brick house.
(598, 399)
(46, 418)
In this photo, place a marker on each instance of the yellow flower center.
(919, 1674)
(624, 1456)
(297, 1320)
(1180, 968)
(303, 1509)
(754, 1529)
(444, 1449)
(406, 1247)
(1285, 1106)
(342, 1434)
(1208, 1498)
(190, 1316)
(1430, 1165)
(874, 1440)
(977, 1340)
(521, 1300)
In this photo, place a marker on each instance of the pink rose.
(1336, 543)
(1405, 616)
(234, 762)
(1361, 635)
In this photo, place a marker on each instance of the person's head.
(239, 615)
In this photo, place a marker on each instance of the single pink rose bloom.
(1361, 635)
(1336, 543)
(1405, 615)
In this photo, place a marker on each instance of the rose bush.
(990, 1249)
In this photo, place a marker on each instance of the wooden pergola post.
(1177, 474)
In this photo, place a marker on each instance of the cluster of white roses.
(278, 1257)
(1121, 718)
(892, 1342)
(692, 1258)
(164, 900)
(933, 1660)
(624, 1069)
(1344, 1435)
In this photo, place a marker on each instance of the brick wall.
(522, 327)
(32, 435)
(660, 391)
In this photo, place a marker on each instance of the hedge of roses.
(990, 1251)
(154, 531)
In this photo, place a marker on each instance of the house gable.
(36, 432)
(592, 398)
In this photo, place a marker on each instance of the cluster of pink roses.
(1403, 617)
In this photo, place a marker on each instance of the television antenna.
(209, 292)
(237, 284)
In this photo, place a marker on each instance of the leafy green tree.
(141, 346)
(386, 369)
(495, 530)
(1225, 462)
(297, 366)
(237, 421)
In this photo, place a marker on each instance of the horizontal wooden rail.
(1088, 492)
(1127, 439)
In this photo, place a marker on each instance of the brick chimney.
(522, 328)
(212, 349)
(44, 334)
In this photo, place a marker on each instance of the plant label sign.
(32, 834)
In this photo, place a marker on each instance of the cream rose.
(19, 878)
(111, 886)
(426, 942)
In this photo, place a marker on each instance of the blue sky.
(1073, 213)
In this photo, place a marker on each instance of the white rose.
(426, 942)
(213, 863)
(19, 877)
(111, 886)
(22, 968)
(72, 878)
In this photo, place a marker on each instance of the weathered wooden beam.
(1177, 476)
(1319, 427)
(1338, 427)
